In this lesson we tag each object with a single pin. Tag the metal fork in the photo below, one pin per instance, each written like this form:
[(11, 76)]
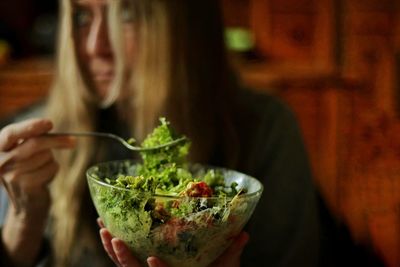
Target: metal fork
[(118, 139)]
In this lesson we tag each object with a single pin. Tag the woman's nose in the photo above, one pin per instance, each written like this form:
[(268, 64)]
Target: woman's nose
[(98, 42)]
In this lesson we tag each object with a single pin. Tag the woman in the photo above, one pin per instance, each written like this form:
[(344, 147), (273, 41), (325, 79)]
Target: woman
[(121, 65)]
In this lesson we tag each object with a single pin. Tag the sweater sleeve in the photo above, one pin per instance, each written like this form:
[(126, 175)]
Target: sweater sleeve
[(3, 210), (45, 251), (284, 229), (3, 204)]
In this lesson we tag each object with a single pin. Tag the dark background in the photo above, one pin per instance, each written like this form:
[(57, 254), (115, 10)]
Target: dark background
[(29, 26)]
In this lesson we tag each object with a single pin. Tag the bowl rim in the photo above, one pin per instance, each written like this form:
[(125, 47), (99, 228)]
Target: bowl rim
[(89, 176)]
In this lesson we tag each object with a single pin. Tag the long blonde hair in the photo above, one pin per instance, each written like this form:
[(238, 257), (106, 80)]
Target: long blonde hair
[(181, 72)]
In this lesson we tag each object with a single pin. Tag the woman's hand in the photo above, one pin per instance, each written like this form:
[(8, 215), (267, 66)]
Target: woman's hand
[(121, 255), (27, 166)]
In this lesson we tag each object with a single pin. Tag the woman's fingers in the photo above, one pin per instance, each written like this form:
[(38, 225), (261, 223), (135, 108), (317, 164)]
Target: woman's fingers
[(13, 133), (28, 191), (29, 182), (32, 146), (231, 257), (32, 162), (124, 255), (155, 262), (35, 162), (106, 238), (117, 250), (24, 140), (27, 170), (120, 253), (100, 222)]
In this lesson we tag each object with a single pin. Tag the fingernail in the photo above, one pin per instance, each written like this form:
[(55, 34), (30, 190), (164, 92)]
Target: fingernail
[(102, 236), (68, 141), (117, 245), (46, 124), (100, 222), (152, 262)]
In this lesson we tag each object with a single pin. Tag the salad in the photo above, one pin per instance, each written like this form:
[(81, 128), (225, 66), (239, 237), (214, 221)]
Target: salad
[(163, 206), (165, 171)]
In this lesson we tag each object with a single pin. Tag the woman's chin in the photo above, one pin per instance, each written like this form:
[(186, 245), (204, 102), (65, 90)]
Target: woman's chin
[(103, 89)]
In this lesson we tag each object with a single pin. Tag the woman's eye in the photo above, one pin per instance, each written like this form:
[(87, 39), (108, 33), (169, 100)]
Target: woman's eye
[(82, 17), (127, 15)]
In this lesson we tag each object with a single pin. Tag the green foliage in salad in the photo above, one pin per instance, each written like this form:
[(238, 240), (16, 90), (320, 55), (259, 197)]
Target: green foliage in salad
[(166, 165), (156, 159), (164, 171)]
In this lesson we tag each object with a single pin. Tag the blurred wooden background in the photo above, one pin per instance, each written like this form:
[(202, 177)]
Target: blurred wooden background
[(23, 82), (336, 63)]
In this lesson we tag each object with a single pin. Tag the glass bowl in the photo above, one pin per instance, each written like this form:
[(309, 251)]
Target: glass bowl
[(194, 237)]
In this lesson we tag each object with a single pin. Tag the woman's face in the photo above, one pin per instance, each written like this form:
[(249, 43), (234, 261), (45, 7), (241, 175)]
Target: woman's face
[(93, 43)]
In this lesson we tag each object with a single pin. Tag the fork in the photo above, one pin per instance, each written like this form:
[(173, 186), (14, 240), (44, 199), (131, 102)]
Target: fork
[(118, 139)]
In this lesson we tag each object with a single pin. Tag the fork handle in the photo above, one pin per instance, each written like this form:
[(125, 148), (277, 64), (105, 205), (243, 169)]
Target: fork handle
[(80, 134)]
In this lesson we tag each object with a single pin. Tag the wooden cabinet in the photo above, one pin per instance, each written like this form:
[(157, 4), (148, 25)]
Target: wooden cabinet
[(369, 48), (22, 83), (299, 32)]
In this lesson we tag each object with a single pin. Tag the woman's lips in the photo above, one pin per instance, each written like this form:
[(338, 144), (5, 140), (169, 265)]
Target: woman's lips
[(103, 77)]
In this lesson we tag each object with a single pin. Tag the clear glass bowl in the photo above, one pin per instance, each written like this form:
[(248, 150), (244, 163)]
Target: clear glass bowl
[(195, 237)]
